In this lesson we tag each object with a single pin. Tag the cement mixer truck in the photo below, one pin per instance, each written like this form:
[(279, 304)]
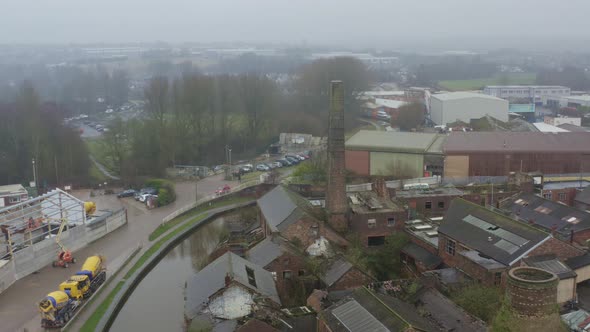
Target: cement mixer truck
[(56, 309), (86, 281)]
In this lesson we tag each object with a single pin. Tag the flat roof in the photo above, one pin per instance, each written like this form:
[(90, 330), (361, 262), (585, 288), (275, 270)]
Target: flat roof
[(442, 191), (528, 142), (547, 128), (526, 86), (384, 93), (580, 98), (395, 141), (463, 95)]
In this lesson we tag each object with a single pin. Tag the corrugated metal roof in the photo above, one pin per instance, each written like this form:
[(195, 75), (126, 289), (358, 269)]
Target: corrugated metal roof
[(357, 319), (394, 141), (552, 265), (528, 142)]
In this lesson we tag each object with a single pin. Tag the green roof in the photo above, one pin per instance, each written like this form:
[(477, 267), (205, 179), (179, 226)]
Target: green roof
[(394, 141)]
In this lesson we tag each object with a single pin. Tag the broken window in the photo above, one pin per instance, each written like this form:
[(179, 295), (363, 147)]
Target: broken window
[(441, 204), (301, 273), (274, 275), (450, 247), (391, 221), (372, 223), (497, 278), (547, 195), (428, 205), (287, 274), (251, 277)]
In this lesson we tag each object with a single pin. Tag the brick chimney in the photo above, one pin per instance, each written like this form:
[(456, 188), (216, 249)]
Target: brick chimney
[(336, 202), (380, 188)]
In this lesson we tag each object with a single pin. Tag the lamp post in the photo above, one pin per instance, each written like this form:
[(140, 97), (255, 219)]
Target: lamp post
[(35, 175)]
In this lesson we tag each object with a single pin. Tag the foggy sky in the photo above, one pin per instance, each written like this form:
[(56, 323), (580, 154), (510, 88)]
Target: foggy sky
[(376, 23)]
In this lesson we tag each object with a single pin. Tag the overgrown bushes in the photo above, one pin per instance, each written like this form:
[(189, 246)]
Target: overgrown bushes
[(165, 188), (480, 301)]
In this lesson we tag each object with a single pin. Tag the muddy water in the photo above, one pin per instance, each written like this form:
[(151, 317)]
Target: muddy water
[(157, 304)]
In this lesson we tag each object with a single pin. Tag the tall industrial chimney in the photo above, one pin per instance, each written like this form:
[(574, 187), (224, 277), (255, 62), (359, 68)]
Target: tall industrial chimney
[(336, 202)]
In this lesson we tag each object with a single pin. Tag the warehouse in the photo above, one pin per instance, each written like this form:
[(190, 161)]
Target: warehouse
[(447, 108), (396, 154), (500, 153)]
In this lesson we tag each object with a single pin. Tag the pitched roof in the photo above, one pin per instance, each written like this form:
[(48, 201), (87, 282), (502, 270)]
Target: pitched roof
[(578, 261), (583, 196), (489, 233), (12, 188), (211, 279), (335, 271), (395, 141), (448, 315), (255, 325), (281, 207), (528, 142), (264, 252), (547, 214), (420, 254), (551, 264)]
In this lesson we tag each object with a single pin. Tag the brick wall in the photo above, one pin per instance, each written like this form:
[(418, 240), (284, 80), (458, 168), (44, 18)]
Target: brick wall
[(285, 263), (564, 195), (354, 278), (307, 230), (359, 224), (557, 247), (438, 204), (582, 237)]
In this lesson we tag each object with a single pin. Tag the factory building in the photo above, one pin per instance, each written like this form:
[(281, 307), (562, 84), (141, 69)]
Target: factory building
[(534, 93), (500, 153), (397, 154), (447, 108)]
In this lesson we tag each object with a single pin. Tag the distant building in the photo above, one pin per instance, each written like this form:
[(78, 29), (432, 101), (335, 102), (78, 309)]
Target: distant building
[(12, 194), (398, 154), (527, 111), (534, 93), (500, 153), (567, 101), (561, 120), (563, 191), (450, 107)]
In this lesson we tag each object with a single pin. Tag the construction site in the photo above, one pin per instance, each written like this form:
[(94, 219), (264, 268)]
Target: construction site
[(46, 230)]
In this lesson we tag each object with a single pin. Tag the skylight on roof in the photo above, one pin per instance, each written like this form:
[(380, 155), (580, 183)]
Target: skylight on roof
[(572, 220), (543, 209)]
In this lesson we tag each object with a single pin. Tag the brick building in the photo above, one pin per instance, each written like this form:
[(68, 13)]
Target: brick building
[(431, 202), (582, 199), (374, 217), (484, 244), (342, 275), (566, 222), (500, 153)]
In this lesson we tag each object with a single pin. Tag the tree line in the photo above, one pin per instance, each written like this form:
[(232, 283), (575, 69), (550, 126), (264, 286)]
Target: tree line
[(191, 119), (33, 130)]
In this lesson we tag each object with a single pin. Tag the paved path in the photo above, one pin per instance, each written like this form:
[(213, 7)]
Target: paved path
[(102, 169), (18, 303)]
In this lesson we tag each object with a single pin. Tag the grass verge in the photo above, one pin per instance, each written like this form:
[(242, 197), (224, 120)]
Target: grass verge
[(91, 323), (164, 227)]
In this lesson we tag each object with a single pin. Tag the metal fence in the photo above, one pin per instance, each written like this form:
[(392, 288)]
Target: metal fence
[(208, 198)]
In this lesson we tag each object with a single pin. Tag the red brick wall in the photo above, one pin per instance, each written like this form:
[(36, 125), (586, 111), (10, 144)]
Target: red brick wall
[(582, 236), (359, 224), (286, 262), (569, 193), (557, 247), (357, 162), (354, 278), (307, 230)]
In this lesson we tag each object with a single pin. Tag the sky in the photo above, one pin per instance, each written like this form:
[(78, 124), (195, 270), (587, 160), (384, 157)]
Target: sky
[(383, 24)]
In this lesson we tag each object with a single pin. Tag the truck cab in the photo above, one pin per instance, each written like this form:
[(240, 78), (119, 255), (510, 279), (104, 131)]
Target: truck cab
[(77, 287)]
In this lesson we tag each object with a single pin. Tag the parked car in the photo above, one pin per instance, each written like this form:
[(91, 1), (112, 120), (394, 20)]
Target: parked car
[(144, 197), (223, 190), (262, 168), (142, 191), (277, 164), (284, 162), (247, 169), (293, 160), (126, 193), (302, 158)]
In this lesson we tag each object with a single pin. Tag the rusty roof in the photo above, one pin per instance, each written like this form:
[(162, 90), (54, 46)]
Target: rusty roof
[(573, 142)]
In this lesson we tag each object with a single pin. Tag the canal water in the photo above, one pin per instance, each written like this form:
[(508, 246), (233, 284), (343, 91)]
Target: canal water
[(157, 304)]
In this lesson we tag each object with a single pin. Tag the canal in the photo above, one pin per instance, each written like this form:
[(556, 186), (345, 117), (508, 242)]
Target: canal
[(157, 304)]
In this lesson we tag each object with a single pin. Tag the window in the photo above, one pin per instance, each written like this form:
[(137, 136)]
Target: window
[(428, 205), (450, 247), (251, 277), (274, 275), (374, 241), (301, 273), (497, 278), (562, 196), (372, 223), (390, 221), (441, 204), (287, 274), (547, 195), (14, 199)]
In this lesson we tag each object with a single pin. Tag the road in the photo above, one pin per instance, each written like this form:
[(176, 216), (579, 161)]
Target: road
[(18, 311), (102, 169)]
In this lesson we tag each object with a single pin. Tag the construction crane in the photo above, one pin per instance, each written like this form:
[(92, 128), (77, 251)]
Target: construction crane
[(64, 257)]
